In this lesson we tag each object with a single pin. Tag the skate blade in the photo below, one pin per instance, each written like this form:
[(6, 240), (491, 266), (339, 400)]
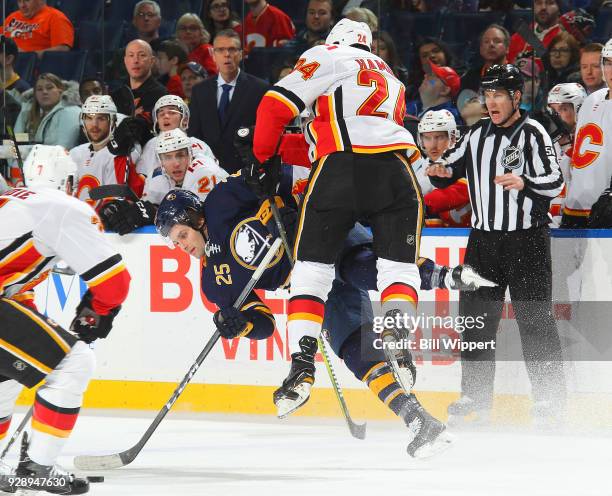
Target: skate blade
[(437, 446), (286, 406)]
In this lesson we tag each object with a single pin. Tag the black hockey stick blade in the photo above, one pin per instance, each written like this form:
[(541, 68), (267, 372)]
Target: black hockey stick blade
[(116, 460), (113, 191), (17, 433)]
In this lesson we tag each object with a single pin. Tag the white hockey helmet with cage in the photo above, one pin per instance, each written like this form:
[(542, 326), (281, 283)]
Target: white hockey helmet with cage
[(606, 53), (49, 166), (172, 101), (99, 104), (572, 93), (438, 120), (348, 32), (171, 141)]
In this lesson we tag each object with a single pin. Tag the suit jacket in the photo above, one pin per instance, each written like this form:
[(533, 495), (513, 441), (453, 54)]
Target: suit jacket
[(204, 121)]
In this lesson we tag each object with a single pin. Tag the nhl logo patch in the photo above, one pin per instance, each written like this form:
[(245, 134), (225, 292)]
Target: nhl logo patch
[(512, 157), (19, 365)]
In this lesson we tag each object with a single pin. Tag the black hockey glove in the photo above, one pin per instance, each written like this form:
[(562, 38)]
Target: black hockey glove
[(574, 222), (289, 217), (263, 178), (601, 211), (129, 132), (89, 325), (124, 216), (232, 323)]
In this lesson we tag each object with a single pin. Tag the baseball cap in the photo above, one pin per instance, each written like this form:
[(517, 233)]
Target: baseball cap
[(448, 76), (194, 67), (528, 68)]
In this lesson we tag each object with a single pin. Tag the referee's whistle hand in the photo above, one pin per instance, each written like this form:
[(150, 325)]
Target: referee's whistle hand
[(510, 181), (439, 171)]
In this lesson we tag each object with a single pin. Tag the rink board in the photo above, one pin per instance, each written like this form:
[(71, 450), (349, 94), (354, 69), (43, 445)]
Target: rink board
[(166, 320)]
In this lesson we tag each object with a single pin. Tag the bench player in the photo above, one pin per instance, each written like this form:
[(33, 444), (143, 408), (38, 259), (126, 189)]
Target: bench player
[(40, 226)]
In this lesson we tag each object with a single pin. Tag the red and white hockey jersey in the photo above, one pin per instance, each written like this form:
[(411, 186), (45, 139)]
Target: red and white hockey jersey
[(148, 161), (591, 165), (355, 102), (42, 226), (268, 28), (201, 177), (101, 168), (564, 157)]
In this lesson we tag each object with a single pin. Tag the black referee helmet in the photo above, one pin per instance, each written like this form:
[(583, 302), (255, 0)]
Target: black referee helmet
[(503, 77)]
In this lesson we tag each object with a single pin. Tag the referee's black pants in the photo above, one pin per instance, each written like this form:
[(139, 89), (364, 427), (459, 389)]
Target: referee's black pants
[(520, 261)]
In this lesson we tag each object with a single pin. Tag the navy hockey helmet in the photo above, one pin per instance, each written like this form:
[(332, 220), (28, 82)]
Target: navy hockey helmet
[(179, 206), (503, 77)]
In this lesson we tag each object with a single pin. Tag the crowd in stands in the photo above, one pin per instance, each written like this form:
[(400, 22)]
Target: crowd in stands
[(220, 56)]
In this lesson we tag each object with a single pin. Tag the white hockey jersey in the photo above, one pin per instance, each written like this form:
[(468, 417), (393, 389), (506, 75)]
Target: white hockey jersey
[(591, 165), (148, 162), (99, 168), (356, 102), (41, 226), (201, 177), (557, 204)]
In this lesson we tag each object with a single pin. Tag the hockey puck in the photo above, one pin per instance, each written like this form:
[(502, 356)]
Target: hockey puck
[(95, 478)]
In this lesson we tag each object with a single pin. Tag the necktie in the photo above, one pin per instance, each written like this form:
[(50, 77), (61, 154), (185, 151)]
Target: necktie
[(224, 102)]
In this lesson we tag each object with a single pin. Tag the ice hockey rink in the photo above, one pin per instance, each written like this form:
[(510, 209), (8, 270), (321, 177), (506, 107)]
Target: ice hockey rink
[(259, 455)]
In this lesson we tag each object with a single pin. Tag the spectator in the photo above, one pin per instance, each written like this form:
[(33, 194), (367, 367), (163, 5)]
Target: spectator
[(437, 91), (36, 27), (91, 86), (494, 43), (531, 98), (562, 60), (11, 82), (470, 107), (145, 22), (10, 110), (266, 25), (319, 21), (232, 96), (546, 28), (590, 67), (384, 46), (144, 90), (428, 49), (50, 112), (362, 14), (283, 69), (191, 74), (190, 31), (170, 55), (218, 16)]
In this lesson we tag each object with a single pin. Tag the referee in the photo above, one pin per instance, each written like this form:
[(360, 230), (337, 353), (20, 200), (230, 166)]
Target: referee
[(512, 172)]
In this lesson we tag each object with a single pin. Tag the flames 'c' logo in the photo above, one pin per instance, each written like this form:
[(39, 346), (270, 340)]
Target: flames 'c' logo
[(583, 158)]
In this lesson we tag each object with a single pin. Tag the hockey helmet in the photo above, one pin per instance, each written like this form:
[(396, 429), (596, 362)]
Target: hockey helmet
[(606, 53), (172, 101), (100, 104), (179, 206), (503, 77), (49, 166), (348, 32), (171, 141), (572, 93), (438, 120)]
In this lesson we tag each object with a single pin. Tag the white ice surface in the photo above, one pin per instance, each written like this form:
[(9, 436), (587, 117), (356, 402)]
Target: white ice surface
[(226, 456)]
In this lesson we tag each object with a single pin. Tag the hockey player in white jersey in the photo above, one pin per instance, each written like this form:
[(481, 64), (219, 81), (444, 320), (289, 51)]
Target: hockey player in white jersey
[(591, 165), (170, 112), (362, 158), (41, 226), (564, 101), (97, 166)]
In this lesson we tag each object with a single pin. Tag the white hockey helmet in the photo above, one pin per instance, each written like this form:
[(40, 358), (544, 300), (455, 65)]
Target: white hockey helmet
[(100, 104), (172, 101), (49, 166), (348, 32), (572, 93), (606, 53), (171, 141), (438, 120)]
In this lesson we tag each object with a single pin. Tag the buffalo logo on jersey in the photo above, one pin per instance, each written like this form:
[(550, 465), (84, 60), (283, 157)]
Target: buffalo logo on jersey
[(249, 247), (512, 157)]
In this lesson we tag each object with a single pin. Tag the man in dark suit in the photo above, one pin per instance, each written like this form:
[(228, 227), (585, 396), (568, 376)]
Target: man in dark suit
[(222, 104)]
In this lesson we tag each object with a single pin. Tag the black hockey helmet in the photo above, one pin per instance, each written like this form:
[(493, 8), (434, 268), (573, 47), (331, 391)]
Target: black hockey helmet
[(503, 77), (179, 206)]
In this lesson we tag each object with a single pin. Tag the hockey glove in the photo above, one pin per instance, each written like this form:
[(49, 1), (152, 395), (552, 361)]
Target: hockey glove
[(231, 323), (289, 218), (123, 216), (131, 131), (89, 325), (263, 178), (601, 212)]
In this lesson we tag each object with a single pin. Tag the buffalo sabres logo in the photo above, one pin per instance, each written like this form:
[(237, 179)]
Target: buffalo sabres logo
[(171, 197), (249, 246), (512, 157)]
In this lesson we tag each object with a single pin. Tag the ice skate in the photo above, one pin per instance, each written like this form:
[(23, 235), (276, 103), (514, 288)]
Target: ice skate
[(395, 347), (295, 390), (465, 278), (428, 436), (465, 411)]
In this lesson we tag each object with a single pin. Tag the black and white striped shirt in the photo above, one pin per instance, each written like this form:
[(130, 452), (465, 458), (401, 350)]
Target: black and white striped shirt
[(486, 151)]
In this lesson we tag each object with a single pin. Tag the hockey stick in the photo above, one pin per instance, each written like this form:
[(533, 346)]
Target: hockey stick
[(106, 462), (17, 433), (113, 191), (357, 430), (11, 134)]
